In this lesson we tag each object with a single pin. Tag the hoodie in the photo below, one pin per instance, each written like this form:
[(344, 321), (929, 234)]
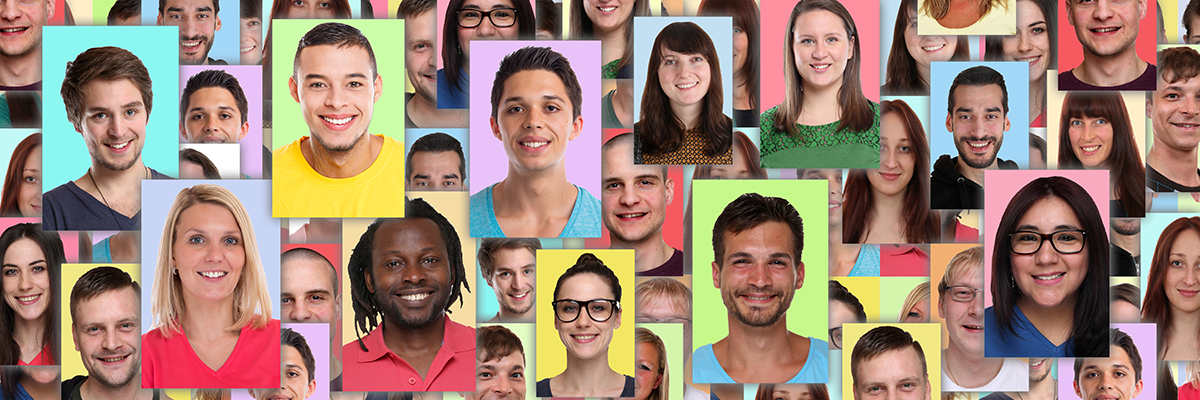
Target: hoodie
[(949, 189)]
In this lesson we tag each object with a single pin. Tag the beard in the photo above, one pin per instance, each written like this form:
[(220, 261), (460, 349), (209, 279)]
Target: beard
[(94, 150), (757, 316), (1127, 227), (119, 379), (509, 309), (415, 319), (333, 148), (205, 41), (965, 154)]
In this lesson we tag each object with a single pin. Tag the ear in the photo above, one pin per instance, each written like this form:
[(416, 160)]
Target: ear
[(292, 88), (495, 129), (74, 336), (312, 388), (928, 389), (716, 274), (1143, 7), (218, 26), (370, 282), (942, 307), (658, 382), (799, 275), (159, 21), (850, 48), (489, 282), (1137, 389), (1071, 20), (576, 128), (1007, 124), (245, 130), (670, 190), (949, 125), (252, 394), (1150, 105), (49, 9), (617, 322), (1078, 393), (378, 87), (183, 134)]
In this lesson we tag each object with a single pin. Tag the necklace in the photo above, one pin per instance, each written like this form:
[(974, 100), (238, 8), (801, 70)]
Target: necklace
[(110, 210)]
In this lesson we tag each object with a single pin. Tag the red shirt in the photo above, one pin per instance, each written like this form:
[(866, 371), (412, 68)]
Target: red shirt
[(42, 358), (379, 369), (171, 363)]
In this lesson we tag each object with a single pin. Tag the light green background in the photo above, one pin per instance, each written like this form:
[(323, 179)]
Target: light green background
[(893, 290), (672, 337), (526, 334)]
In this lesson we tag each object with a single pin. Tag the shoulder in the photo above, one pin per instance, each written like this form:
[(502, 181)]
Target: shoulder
[(586, 199)]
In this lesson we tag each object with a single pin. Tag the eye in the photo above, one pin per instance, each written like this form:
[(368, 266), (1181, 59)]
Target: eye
[(516, 109), (392, 264), (10, 272), (355, 84), (287, 301), (505, 274), (697, 59), (255, 23), (1102, 121), (806, 41), (231, 241), (93, 329), (31, 179), (195, 240), (528, 272), (552, 108), (643, 367), (99, 116), (292, 374), (518, 375), (430, 260), (128, 325), (39, 268), (502, 14), (1038, 31), (226, 115), (197, 117), (669, 61), (1176, 263), (423, 184), (737, 29), (905, 149), (485, 375), (298, 3), (317, 85), (316, 298), (326, 5), (914, 314), (1076, 122)]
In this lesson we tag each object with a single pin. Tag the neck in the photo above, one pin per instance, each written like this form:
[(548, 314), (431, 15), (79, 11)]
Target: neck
[(93, 390), (119, 183), (688, 114), (424, 112), (612, 42), (741, 93), (21, 71), (41, 390), (1176, 165), (975, 175), (623, 102), (407, 342), (1110, 71), (335, 365), (820, 105), (1037, 98), (1182, 323), (534, 190), (1047, 389), (749, 345), (1131, 243), (206, 320), (650, 253), (586, 376), (341, 164), (970, 369), (886, 212), (28, 333)]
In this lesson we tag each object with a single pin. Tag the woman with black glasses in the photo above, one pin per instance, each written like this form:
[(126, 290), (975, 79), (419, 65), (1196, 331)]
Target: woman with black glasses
[(468, 20)]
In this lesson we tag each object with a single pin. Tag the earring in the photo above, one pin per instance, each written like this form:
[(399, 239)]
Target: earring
[(176, 271)]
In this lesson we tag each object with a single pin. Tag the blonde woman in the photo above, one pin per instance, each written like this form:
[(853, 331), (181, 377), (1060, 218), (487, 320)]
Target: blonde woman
[(650, 377), (1191, 389), (916, 305)]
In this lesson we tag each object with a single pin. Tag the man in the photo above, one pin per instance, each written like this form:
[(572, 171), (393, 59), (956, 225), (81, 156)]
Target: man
[(960, 304), (663, 299), (510, 268), (299, 370), (501, 360), (1191, 22), (1107, 31), (1174, 113), (634, 205), (436, 162), (311, 293), (251, 51), (977, 115), (21, 50), (1125, 304), (888, 363), (198, 22), (541, 98), (107, 95), (125, 13), (213, 109), (1126, 245), (1117, 377), (409, 272), (341, 169), (420, 60), (105, 327), (1040, 388), (758, 243)]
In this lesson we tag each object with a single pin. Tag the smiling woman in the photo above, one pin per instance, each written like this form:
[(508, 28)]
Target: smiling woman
[(32, 263), (1171, 291), (1095, 132), (22, 193)]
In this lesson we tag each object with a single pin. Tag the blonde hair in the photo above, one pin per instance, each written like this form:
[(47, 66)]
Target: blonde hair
[(672, 291), (250, 295), (969, 259), (921, 292), (644, 335), (1192, 371)]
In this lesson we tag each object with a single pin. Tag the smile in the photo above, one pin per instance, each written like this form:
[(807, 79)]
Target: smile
[(213, 274), (585, 338), (607, 9), (1188, 293), (28, 299), (415, 297), (1105, 30), (973, 327), (687, 85), (632, 215), (1185, 126), (820, 67), (890, 177), (1031, 60), (979, 145), (534, 144), (338, 121), (248, 49), (14, 30), (1089, 150), (120, 145), (521, 296), (934, 48), (115, 359), (1049, 277)]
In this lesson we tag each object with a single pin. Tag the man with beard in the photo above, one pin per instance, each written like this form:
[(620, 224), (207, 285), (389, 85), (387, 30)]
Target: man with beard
[(198, 22), (1107, 33), (408, 272), (510, 268), (420, 58), (960, 304), (1126, 247), (757, 242), (104, 326), (977, 115), (634, 204), (108, 98), (21, 50), (1041, 385)]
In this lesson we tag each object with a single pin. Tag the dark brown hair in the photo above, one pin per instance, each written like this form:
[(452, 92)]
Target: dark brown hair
[(582, 26), (411, 8), (1128, 174), (661, 131), (99, 280), (488, 248), (993, 47), (1156, 307), (767, 390), (495, 342), (16, 173), (538, 59), (902, 75), (745, 17), (748, 151), (1191, 12), (213, 78), (588, 263), (452, 54), (104, 64), (1178, 64), (1119, 339), (196, 157), (52, 249), (880, 340), (751, 210), (1126, 292)]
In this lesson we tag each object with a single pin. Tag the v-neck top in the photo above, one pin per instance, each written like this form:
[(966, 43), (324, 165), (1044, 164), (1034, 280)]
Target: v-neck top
[(172, 363)]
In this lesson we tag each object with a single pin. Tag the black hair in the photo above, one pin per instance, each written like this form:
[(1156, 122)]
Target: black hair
[(435, 143), (839, 293), (125, 9), (979, 75), (588, 263), (52, 248), (162, 6), (213, 78), (1119, 339), (288, 337), (538, 59), (338, 35)]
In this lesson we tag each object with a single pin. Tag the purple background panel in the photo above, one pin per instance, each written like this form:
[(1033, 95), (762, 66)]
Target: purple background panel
[(1145, 338), (317, 337), (250, 78)]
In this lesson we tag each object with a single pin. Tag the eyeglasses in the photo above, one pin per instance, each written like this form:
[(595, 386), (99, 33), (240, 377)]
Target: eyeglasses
[(500, 17), (835, 337), (962, 293), (599, 310), (1068, 241)]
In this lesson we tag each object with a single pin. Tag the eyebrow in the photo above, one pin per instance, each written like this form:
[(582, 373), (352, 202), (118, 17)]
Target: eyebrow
[(220, 107), (1037, 23), (35, 262), (132, 104), (1060, 227), (748, 255), (544, 97), (180, 9), (319, 76), (992, 109), (427, 176), (477, 7), (963, 110), (530, 265), (313, 291)]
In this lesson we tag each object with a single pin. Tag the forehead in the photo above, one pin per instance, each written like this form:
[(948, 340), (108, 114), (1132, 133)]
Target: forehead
[(188, 5), (487, 4), (768, 237), (514, 359), (512, 258), (302, 275), (891, 366), (291, 356), (978, 96), (818, 22), (421, 26), (1050, 213), (896, 129), (111, 305), (585, 286), (618, 163), (660, 305), (1190, 85), (647, 352), (333, 60), (408, 233), (822, 174), (114, 93), (435, 160), (534, 84), (23, 249), (1117, 357), (211, 96), (1188, 241)]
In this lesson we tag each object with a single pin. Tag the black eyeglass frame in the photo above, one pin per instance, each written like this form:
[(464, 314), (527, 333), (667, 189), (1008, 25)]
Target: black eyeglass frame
[(584, 304), (836, 343), (487, 14), (1047, 237)]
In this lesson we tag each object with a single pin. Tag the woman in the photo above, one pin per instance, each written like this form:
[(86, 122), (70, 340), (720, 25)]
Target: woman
[(909, 60), (844, 308), (792, 392), (587, 303), (30, 383), (1191, 389), (612, 23), (651, 377), (32, 261), (745, 55), (682, 119), (1095, 133), (251, 33), (22, 193), (195, 165), (916, 305), (891, 204), (1171, 289), (212, 311), (824, 121), (993, 17), (1049, 299), (468, 20), (1036, 42)]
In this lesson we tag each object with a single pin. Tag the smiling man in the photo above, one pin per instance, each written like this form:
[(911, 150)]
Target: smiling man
[(299, 370), (420, 57), (340, 170), (1107, 30), (106, 332), (887, 363), (21, 44), (198, 23), (1118, 377), (634, 205), (960, 304), (1175, 116), (977, 115), (510, 268), (213, 109), (501, 371)]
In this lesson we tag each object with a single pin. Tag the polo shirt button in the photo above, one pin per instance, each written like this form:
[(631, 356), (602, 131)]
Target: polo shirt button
[(412, 381)]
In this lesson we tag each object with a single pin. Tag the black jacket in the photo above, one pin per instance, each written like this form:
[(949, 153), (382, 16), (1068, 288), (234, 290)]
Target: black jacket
[(948, 189)]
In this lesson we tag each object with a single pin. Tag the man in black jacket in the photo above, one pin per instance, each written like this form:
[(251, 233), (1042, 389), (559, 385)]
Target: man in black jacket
[(977, 114)]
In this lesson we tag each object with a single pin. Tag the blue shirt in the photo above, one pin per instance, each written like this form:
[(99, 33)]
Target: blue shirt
[(1027, 342), (450, 98), (69, 208), (867, 263), (584, 222), (706, 369)]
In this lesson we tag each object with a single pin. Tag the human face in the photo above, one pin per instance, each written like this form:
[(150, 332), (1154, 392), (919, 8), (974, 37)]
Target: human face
[(792, 392), (978, 122), (895, 374), (964, 321), (586, 338), (208, 253), (1091, 140), (486, 30), (741, 48), (1031, 43), (337, 94), (822, 48), (1039, 369), (759, 275), (926, 49), (684, 78), (435, 171), (190, 170), (896, 159), (29, 198), (1108, 378), (213, 117), (1126, 226), (310, 9), (295, 379), (27, 287), (501, 379), (28, 17), (197, 22), (1124, 312), (834, 176), (647, 376), (251, 48), (740, 169), (634, 198), (608, 15), (1106, 28), (513, 279), (839, 313), (308, 294), (1194, 28), (420, 54), (918, 313), (410, 275), (1174, 110), (41, 374), (1182, 282), (658, 308), (107, 336), (1047, 277), (114, 123), (535, 120)]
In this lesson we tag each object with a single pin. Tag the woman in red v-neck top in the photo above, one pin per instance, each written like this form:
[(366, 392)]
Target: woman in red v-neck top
[(32, 260)]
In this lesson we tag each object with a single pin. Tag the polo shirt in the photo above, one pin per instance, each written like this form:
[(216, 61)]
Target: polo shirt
[(903, 260), (380, 369), (172, 363)]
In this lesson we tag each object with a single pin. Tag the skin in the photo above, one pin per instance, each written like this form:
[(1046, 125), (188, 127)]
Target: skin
[(411, 276), (1183, 273), (114, 115), (792, 392), (213, 117), (513, 279), (535, 109), (839, 313), (106, 328), (1174, 110), (1124, 312), (1093, 15), (296, 384), (927, 49), (1194, 28), (646, 371), (894, 374), (760, 275), (420, 54), (978, 119), (834, 176), (308, 293), (500, 378), (657, 308), (584, 337), (331, 85), (634, 198), (604, 19), (740, 169), (435, 171), (30, 16), (741, 48), (208, 240), (190, 170), (1046, 216), (684, 78), (26, 278), (918, 313), (251, 49), (822, 49), (1031, 43), (1091, 140), (896, 160), (29, 199), (1108, 378), (964, 321), (310, 9), (198, 22), (486, 30)]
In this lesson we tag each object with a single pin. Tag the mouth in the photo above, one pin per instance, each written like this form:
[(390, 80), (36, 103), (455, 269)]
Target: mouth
[(190, 45), (930, 49), (28, 300), (338, 122), (820, 67), (758, 297), (415, 296), (1031, 59), (1188, 293), (1037, 364), (14, 30), (1105, 31), (1089, 150), (211, 139), (249, 49), (606, 10), (119, 147), (631, 216), (890, 177), (979, 146), (212, 274), (585, 337), (1049, 279), (280, 397), (534, 143), (973, 328), (687, 86), (113, 359), (1185, 127), (520, 296)]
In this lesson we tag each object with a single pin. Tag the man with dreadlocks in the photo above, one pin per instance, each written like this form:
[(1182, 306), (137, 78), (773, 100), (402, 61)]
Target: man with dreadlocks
[(408, 271)]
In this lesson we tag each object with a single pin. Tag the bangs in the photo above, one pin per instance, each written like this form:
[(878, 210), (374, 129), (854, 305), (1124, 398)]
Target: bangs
[(1095, 105), (686, 38)]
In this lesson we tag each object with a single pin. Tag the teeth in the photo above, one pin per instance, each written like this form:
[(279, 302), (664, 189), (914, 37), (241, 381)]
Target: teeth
[(535, 144), (415, 297), (1185, 125), (28, 298), (688, 86), (1089, 149), (1039, 363), (821, 67), (11, 30), (758, 298), (246, 49), (339, 121), (520, 296), (973, 326), (119, 146), (979, 145), (934, 48), (585, 337), (833, 206), (1051, 277), (608, 9), (113, 359), (214, 274), (1103, 30), (635, 215), (190, 44)]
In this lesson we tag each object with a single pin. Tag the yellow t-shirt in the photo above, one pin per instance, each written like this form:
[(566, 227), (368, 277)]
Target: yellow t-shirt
[(298, 191)]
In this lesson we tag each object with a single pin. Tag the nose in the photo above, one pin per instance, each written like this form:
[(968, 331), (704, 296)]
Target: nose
[(413, 272), (1024, 42), (888, 158), (502, 387), (485, 28), (26, 282), (976, 305), (336, 97), (190, 28), (585, 319), (629, 196), (210, 124), (9, 10), (1192, 275), (118, 125), (1088, 132), (299, 312), (759, 276), (1103, 10), (1046, 255), (215, 255), (111, 341), (1189, 106), (535, 119), (518, 280)]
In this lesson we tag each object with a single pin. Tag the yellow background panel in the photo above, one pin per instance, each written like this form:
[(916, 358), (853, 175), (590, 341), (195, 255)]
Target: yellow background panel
[(551, 354)]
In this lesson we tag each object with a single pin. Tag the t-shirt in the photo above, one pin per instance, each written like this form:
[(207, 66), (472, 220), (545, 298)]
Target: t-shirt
[(447, 97), (32, 86), (1027, 342), (997, 396), (1189, 392), (820, 146), (608, 113), (706, 369), (903, 260), (1159, 183), (379, 369), (584, 221), (21, 394), (172, 363), (998, 21), (69, 208), (1148, 81), (42, 358), (543, 388), (299, 191), (72, 386), (673, 266), (867, 263), (1013, 376)]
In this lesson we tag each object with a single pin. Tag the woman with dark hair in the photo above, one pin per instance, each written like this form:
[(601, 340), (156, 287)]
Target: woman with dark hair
[(549, 20), (825, 120), (1036, 42), (1049, 275), (195, 165), (468, 20), (22, 193), (801, 391), (745, 55), (682, 119), (891, 204), (611, 22), (29, 317), (844, 308), (1095, 133), (30, 383), (909, 60), (1171, 289)]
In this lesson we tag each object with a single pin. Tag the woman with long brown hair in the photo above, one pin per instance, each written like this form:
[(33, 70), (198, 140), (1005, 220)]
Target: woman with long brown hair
[(22, 193), (909, 60), (746, 53), (1171, 289), (1095, 132), (1036, 43)]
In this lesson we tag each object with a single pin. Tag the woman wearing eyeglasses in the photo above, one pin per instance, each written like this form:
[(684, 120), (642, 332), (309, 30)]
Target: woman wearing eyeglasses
[(844, 308), (960, 304), (586, 312), (1049, 275), (468, 20)]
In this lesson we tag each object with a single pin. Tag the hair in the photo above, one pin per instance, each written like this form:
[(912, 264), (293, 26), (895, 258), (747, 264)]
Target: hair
[(341, 10), (921, 292), (920, 224), (902, 75), (162, 6), (1090, 316), (250, 9), (10, 375), (643, 335), (937, 9), (435, 143), (1190, 13), (750, 210), (98, 281), (366, 311), (979, 75), (588, 263), (841, 294), (745, 17), (452, 53), (1178, 64), (1128, 174), (661, 131), (959, 265), (124, 9), (1166, 381), (288, 337), (582, 27), (52, 249), (412, 8), (538, 59), (993, 47), (338, 35), (745, 149), (1156, 307), (627, 138), (880, 340), (1120, 339), (304, 253), (549, 17), (671, 291), (1038, 143), (16, 173), (213, 78), (766, 391), (495, 342), (1192, 373), (196, 157), (489, 246), (167, 303), (1126, 292), (24, 109), (104, 64)]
